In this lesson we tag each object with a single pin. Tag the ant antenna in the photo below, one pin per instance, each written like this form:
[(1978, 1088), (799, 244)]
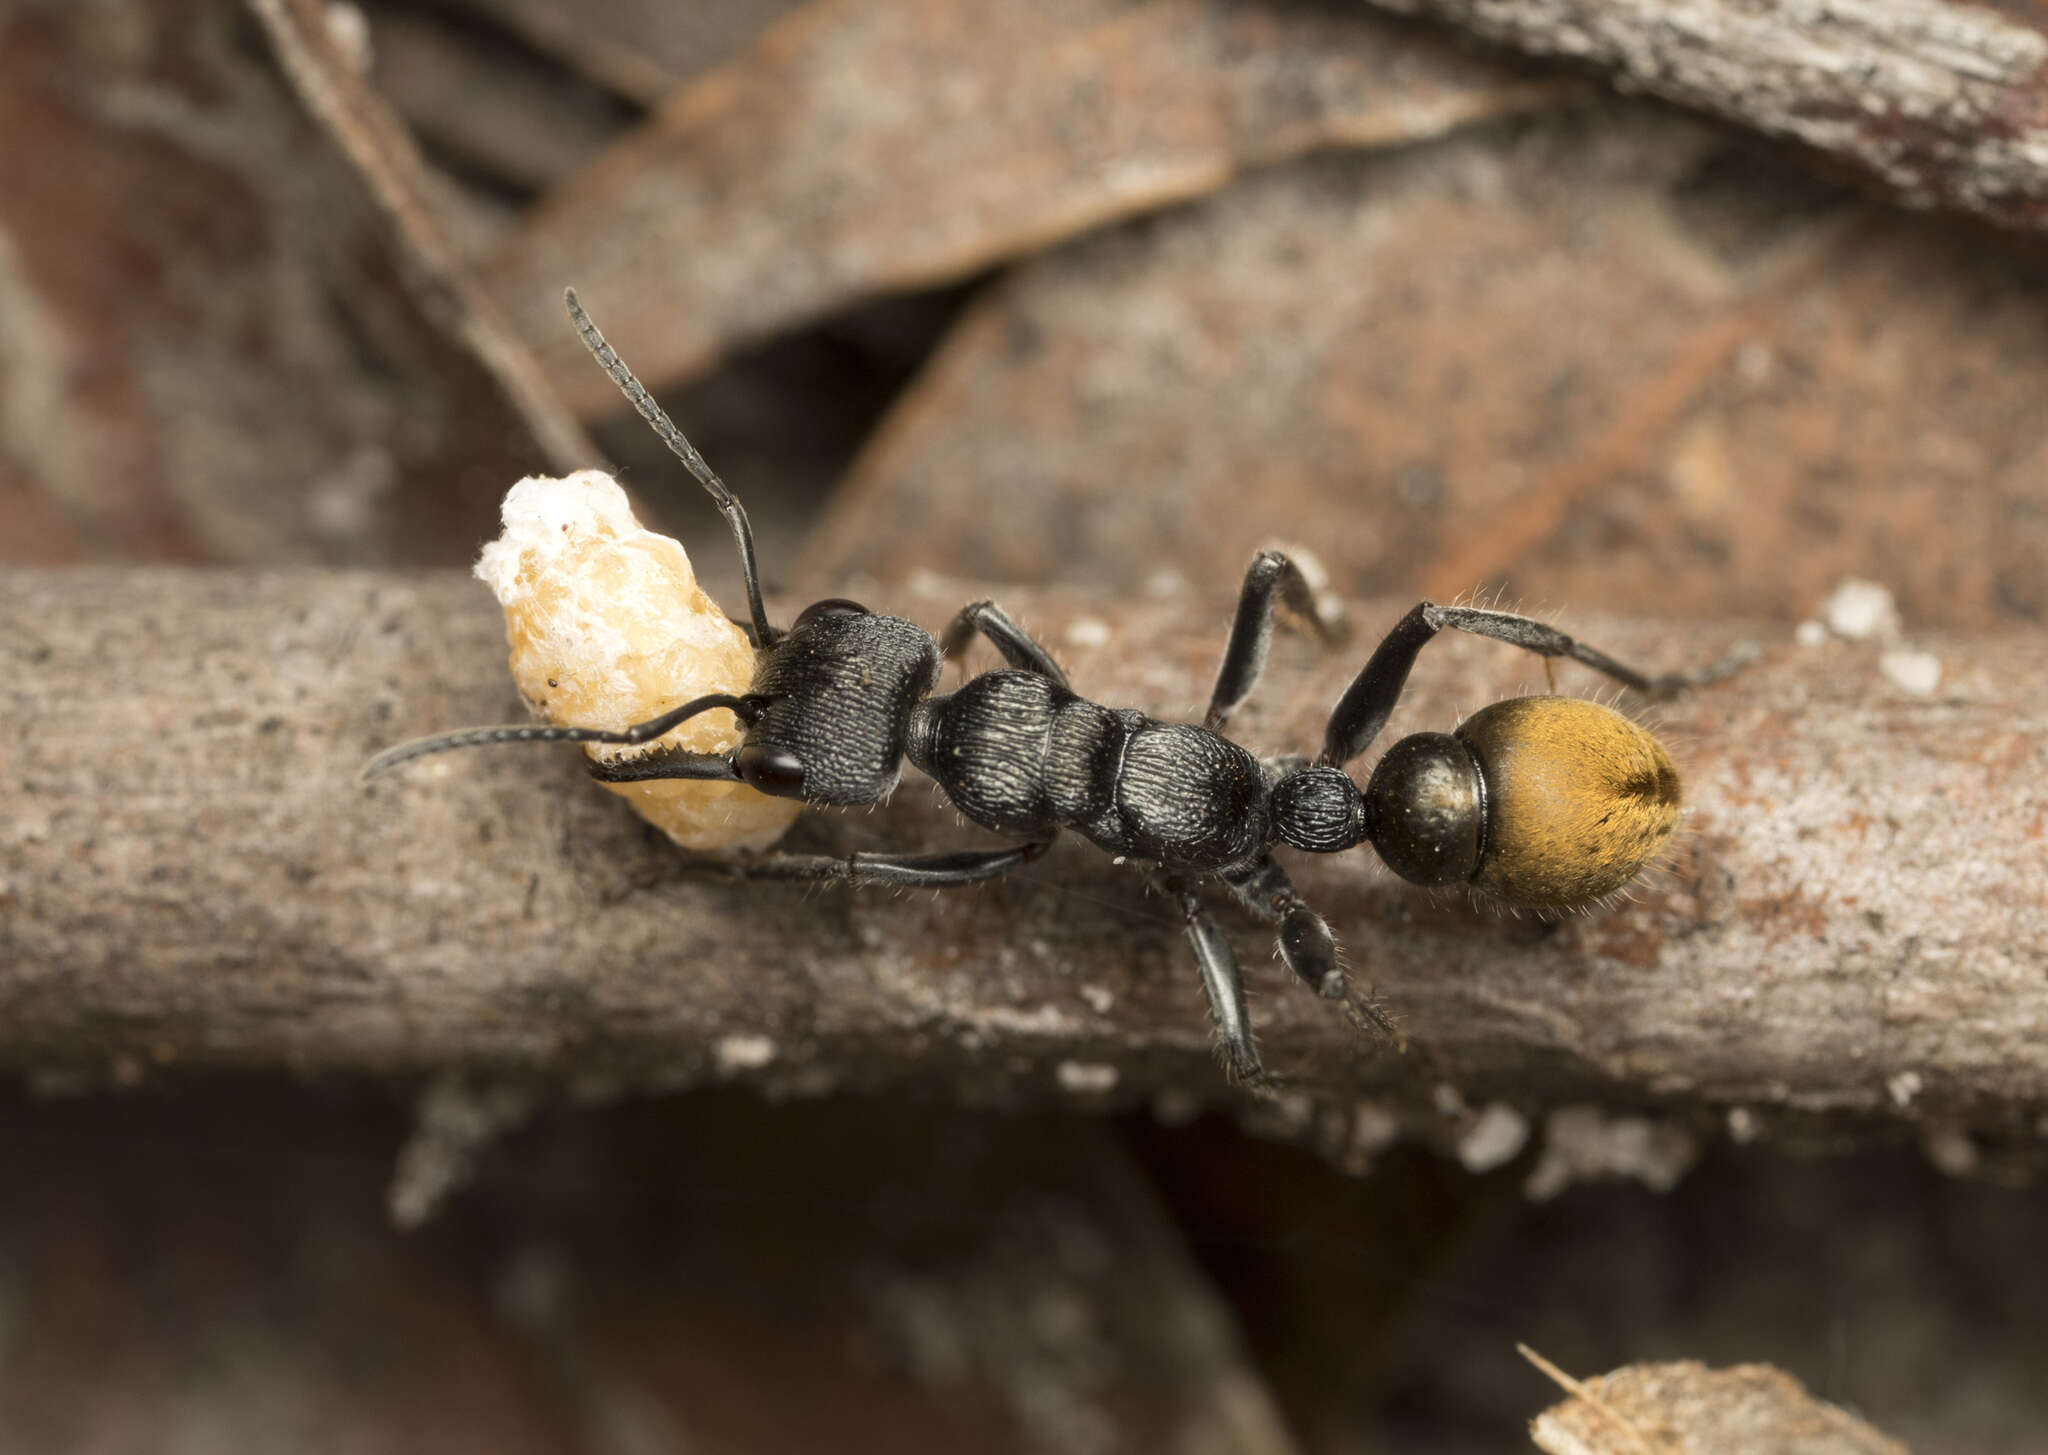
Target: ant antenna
[(746, 709), (728, 504)]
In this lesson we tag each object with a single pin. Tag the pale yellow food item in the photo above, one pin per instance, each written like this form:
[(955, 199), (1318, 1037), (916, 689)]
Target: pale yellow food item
[(608, 627)]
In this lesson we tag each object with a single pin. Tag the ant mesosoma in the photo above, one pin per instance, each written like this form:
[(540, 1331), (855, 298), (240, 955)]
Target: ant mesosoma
[(1547, 802)]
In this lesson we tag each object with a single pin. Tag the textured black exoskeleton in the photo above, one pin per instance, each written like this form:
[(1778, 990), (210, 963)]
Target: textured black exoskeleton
[(844, 697)]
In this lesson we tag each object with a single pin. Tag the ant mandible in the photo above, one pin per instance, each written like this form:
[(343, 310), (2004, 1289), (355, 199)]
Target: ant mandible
[(1544, 802)]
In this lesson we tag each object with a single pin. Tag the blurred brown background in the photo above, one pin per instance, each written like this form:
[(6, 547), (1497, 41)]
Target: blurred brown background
[(1083, 293)]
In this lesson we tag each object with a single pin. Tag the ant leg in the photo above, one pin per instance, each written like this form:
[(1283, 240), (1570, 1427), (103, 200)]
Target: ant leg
[(728, 504), (1224, 986), (1271, 575), (1019, 648), (649, 767), (1306, 944), (1367, 703), (946, 870)]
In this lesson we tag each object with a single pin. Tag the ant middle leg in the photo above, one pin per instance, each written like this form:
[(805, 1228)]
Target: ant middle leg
[(1019, 648), (1369, 701), (1271, 580), (1306, 944)]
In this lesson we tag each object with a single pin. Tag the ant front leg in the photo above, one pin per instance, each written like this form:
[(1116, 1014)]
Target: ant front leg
[(1306, 944), (1019, 648), (1369, 701), (1271, 578)]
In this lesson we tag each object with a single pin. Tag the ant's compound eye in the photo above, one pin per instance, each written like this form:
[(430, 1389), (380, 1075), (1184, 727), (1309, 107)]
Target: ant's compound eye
[(830, 606), (776, 772)]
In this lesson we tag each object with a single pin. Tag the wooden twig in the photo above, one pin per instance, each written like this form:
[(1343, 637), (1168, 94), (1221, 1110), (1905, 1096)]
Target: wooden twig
[(1944, 101), (191, 874), (382, 152)]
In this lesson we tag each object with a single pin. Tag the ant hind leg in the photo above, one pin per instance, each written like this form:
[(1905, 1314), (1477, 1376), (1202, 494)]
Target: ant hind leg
[(1306, 944), (1369, 701)]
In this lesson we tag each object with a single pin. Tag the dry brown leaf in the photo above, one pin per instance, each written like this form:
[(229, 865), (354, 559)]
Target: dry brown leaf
[(1688, 1409), (639, 48), (864, 147), (492, 110), (1612, 361), (377, 144), (205, 352)]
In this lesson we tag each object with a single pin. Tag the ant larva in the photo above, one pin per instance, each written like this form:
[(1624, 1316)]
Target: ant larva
[(1544, 802)]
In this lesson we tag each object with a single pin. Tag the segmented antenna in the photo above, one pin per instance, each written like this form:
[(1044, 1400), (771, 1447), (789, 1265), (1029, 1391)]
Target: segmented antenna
[(746, 709), (728, 504)]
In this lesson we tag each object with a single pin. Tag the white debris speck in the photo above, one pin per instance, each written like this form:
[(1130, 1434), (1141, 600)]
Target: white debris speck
[(1861, 610), (1742, 1126), (1450, 1102), (1087, 631), (1375, 1127), (453, 1124), (1165, 582), (1496, 1135), (1916, 672), (1100, 998), (1951, 1150), (744, 1053), (1580, 1142), (348, 29), (1904, 1087), (1810, 634), (1086, 1078)]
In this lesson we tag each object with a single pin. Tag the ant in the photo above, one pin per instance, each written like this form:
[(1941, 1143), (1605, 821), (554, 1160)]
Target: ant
[(1546, 802)]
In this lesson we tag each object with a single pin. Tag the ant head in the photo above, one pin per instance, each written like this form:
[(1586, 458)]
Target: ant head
[(835, 694)]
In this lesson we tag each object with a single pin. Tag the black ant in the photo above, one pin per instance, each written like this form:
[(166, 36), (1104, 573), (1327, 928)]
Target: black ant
[(1546, 802)]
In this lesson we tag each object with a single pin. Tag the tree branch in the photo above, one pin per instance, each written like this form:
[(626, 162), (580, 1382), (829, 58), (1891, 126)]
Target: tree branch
[(190, 874), (1944, 102)]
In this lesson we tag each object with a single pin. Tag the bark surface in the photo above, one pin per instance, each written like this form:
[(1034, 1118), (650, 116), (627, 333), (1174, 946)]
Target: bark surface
[(1944, 102), (190, 873)]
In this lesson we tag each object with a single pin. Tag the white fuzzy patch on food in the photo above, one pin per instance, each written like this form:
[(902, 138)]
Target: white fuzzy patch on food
[(548, 517)]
